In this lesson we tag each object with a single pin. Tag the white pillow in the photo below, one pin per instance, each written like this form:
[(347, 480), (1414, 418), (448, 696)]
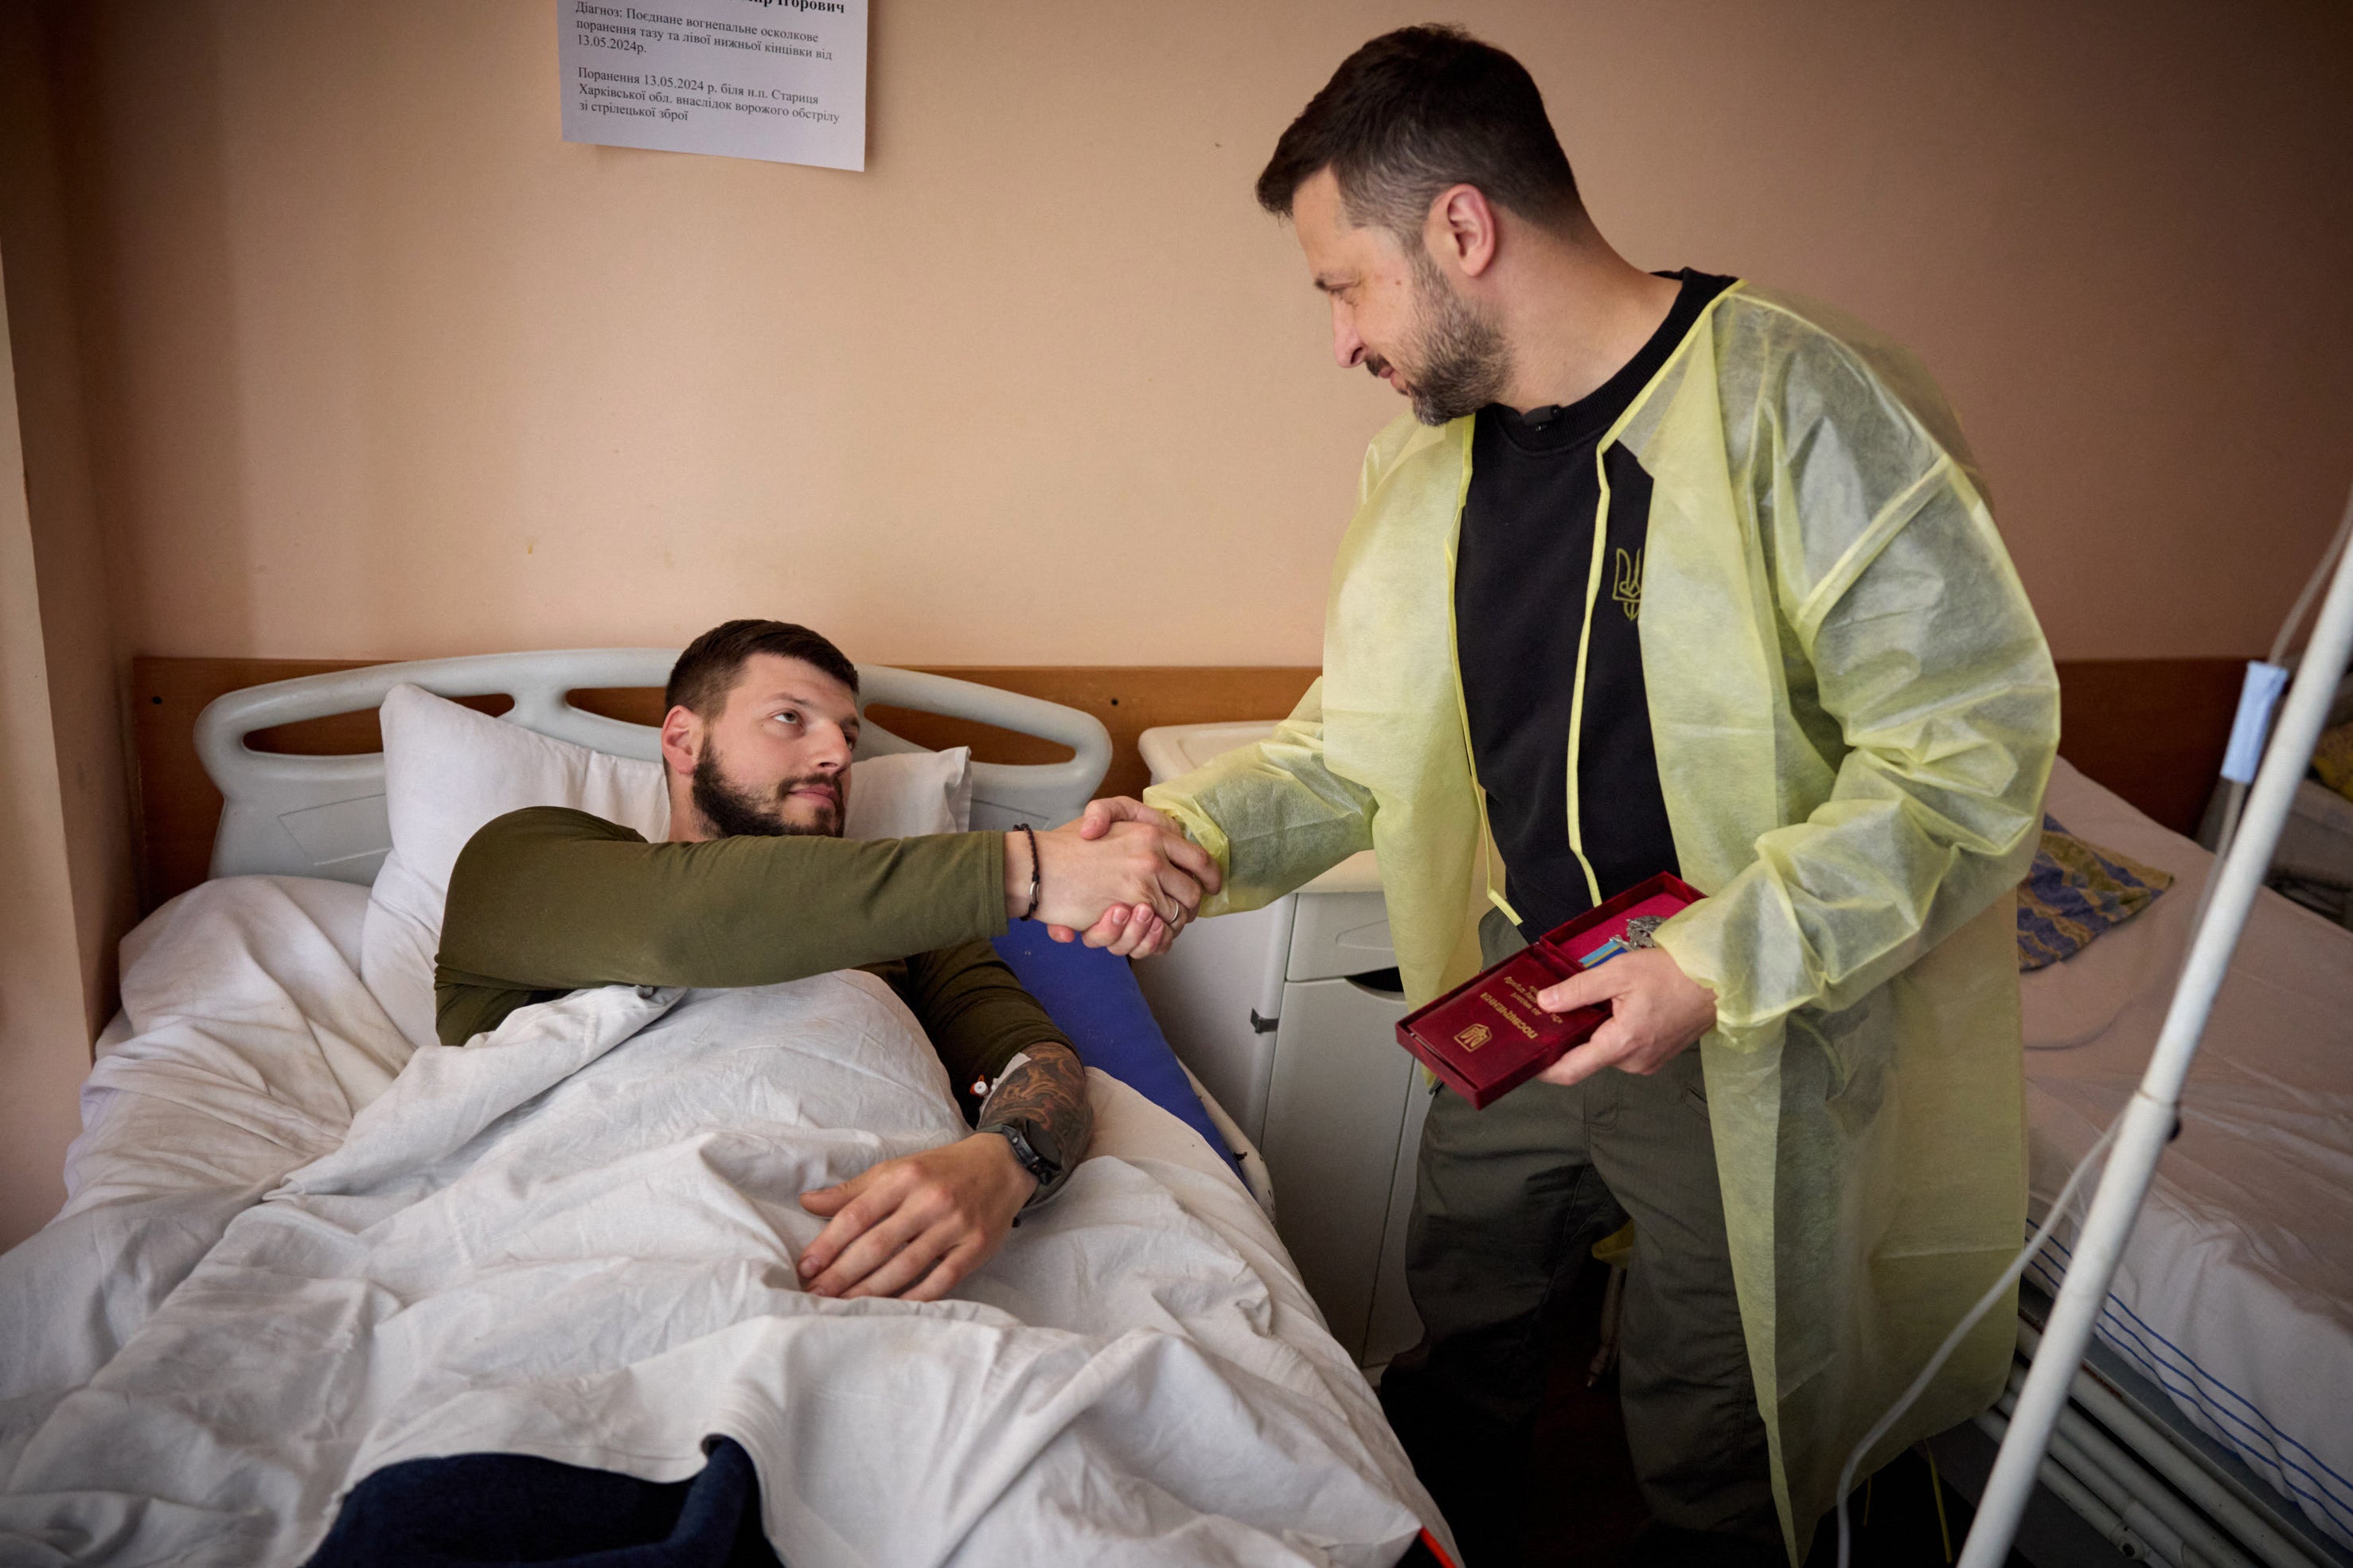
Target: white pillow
[(448, 771), (905, 795)]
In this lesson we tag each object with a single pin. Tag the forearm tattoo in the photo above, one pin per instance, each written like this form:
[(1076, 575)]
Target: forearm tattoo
[(1050, 1089)]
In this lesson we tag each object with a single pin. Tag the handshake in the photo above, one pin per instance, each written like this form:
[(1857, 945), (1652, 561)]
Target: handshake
[(1121, 877)]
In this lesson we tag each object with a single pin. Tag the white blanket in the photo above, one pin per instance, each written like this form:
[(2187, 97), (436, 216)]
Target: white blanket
[(575, 1240)]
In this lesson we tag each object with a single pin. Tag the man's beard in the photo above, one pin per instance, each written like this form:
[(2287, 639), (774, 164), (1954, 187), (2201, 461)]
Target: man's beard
[(736, 813), (1459, 362)]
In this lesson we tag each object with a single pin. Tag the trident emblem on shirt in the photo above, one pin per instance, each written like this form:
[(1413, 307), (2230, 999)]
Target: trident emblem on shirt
[(1628, 587)]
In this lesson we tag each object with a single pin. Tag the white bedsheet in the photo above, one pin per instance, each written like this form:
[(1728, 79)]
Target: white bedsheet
[(2236, 1293), (575, 1240)]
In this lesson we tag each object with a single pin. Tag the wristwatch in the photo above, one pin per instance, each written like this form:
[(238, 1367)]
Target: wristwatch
[(1034, 1145)]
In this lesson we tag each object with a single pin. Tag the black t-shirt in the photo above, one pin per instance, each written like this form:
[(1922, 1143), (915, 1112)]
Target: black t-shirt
[(1522, 565)]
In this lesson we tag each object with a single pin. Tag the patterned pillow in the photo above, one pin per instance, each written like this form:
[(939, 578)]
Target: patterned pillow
[(2075, 891), (2333, 758)]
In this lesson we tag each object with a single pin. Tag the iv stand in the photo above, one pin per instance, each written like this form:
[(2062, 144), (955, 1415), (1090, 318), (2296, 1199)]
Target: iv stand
[(2149, 1119)]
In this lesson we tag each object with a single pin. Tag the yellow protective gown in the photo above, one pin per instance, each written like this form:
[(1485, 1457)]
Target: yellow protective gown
[(1854, 713)]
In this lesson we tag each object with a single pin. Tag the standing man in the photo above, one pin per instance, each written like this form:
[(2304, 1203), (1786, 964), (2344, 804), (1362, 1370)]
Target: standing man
[(1665, 572)]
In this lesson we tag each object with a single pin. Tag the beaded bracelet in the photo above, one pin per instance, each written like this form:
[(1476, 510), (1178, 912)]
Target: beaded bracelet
[(1037, 883)]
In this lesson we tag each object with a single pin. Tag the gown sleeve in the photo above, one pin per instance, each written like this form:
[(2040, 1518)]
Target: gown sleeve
[(1905, 613), (1272, 814)]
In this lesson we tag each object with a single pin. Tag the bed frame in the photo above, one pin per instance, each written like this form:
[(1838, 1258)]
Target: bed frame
[(2150, 729), (325, 816), (2128, 1477), (288, 813)]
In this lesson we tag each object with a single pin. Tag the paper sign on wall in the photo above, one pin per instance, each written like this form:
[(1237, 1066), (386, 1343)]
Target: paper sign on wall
[(780, 80)]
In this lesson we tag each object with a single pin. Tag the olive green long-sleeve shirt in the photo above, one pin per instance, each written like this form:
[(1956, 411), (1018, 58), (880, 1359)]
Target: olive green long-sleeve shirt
[(549, 900)]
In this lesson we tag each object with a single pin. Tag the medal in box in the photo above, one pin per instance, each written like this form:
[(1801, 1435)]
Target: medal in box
[(1487, 1036)]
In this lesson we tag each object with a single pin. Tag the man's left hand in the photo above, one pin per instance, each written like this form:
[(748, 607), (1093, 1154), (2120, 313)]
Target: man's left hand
[(1656, 1011), (1139, 932), (914, 1226)]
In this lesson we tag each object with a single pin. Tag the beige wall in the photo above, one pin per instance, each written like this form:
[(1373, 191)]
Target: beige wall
[(387, 368), (66, 878), (69, 557), (44, 1040)]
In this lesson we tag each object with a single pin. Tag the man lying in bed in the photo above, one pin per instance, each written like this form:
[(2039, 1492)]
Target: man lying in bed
[(756, 887)]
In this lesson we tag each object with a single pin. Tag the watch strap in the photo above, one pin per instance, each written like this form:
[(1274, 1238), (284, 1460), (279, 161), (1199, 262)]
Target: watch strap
[(1049, 1173)]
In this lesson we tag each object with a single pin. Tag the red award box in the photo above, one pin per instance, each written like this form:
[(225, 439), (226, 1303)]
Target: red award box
[(1488, 1036)]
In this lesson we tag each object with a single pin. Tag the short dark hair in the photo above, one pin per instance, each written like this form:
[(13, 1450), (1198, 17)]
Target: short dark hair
[(1417, 111), (706, 672)]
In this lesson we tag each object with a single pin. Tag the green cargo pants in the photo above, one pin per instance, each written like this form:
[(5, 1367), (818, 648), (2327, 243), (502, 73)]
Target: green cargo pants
[(1507, 1206)]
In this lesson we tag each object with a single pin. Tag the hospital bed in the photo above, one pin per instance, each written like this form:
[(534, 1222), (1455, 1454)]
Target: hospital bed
[(306, 834), (2213, 1420)]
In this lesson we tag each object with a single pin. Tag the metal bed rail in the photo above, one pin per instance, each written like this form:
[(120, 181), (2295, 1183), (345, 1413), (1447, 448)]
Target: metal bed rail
[(325, 816), (2127, 1462)]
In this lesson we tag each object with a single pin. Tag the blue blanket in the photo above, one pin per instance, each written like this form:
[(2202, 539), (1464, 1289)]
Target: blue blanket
[(1093, 998)]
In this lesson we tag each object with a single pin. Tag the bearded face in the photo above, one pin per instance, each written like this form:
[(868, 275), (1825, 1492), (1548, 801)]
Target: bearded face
[(1454, 361), (810, 803)]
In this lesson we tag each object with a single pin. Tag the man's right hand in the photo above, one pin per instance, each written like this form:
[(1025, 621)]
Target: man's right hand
[(1131, 881)]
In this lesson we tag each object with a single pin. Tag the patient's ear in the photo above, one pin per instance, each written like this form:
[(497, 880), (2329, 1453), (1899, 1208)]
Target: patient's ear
[(682, 740)]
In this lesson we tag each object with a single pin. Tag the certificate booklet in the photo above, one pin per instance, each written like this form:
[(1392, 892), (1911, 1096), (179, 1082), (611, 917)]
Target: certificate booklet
[(1488, 1036)]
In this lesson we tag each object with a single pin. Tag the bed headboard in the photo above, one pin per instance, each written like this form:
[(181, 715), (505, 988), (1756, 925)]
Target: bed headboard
[(324, 815)]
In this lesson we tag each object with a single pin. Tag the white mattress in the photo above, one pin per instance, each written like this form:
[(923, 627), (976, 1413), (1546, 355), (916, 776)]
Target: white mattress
[(2236, 1293)]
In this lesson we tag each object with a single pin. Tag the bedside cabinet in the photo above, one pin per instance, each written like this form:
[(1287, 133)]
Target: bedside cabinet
[(1288, 1015)]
